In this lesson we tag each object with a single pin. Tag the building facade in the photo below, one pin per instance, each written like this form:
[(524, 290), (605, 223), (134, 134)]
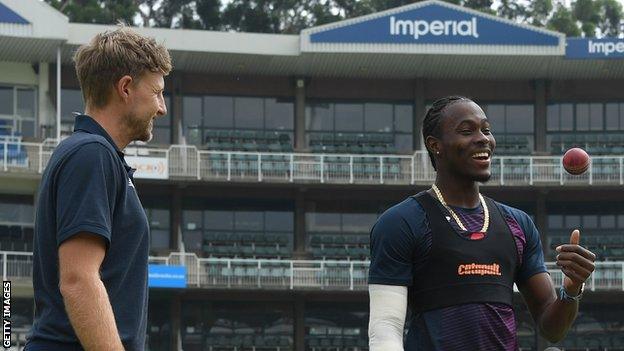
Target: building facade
[(280, 151)]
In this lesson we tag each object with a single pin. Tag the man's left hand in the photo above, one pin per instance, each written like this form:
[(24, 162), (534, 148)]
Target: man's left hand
[(576, 262)]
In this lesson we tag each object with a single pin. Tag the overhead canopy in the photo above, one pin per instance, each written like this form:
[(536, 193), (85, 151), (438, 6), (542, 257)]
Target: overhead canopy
[(430, 39)]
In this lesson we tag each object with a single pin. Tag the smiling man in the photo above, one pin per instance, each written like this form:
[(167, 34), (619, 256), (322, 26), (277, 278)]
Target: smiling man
[(91, 232), (450, 256)]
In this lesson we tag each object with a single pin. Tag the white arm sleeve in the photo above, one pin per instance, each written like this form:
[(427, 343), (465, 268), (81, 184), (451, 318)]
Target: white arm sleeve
[(388, 306)]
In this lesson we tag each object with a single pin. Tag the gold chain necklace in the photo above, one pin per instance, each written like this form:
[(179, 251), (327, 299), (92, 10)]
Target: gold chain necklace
[(486, 213)]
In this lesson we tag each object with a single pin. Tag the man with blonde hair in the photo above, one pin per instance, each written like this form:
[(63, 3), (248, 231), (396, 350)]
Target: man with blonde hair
[(91, 232)]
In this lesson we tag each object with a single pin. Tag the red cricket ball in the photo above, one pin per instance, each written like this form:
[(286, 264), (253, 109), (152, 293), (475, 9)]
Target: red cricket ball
[(576, 161)]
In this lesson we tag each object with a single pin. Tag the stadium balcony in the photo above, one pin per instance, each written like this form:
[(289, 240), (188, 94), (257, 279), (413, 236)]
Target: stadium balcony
[(185, 162), (274, 274)]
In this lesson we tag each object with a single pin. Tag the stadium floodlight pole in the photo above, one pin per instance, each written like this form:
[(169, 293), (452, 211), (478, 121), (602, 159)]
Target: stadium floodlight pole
[(58, 94)]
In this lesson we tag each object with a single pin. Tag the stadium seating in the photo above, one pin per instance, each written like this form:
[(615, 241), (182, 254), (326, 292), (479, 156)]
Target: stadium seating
[(248, 140), (11, 146), (339, 246), (512, 145), (246, 244), (16, 238), (593, 143), (606, 245), (352, 143)]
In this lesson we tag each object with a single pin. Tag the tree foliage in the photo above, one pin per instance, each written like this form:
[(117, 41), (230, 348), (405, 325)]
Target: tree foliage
[(583, 17)]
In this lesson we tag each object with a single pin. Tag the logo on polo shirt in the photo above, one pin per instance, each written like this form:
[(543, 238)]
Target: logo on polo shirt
[(478, 269)]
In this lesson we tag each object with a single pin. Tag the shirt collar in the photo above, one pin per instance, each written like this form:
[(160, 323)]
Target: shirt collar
[(87, 124)]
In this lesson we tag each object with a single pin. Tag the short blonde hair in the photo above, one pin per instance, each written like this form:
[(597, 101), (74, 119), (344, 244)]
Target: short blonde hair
[(112, 55)]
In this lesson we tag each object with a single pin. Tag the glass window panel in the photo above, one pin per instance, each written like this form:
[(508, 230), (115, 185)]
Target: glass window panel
[(349, 117), (159, 218), (403, 118), (28, 128), (279, 221), (320, 116), (496, 117), (567, 117), (248, 220), (404, 143), (519, 119), (26, 103), (161, 135), (607, 221), (279, 114), (71, 101), (595, 117), (248, 113), (215, 220), (192, 240), (16, 213), (358, 222), (218, 112), (323, 222), (612, 116), (552, 117), (6, 101), (620, 221), (192, 220), (590, 221), (572, 221), (192, 118), (192, 111), (378, 117), (555, 221), (622, 116), (159, 239), (582, 116)]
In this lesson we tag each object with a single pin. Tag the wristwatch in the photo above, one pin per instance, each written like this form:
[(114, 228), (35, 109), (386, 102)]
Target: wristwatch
[(564, 296)]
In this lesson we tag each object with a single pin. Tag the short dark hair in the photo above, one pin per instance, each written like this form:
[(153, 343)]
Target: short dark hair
[(431, 123)]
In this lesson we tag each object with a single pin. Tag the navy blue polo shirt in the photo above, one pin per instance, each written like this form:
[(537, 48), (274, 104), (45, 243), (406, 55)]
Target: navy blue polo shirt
[(88, 187)]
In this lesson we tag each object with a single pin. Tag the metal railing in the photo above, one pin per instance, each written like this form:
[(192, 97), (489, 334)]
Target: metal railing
[(273, 274), (189, 163)]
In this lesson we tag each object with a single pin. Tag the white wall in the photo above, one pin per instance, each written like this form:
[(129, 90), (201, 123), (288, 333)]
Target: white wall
[(13, 73)]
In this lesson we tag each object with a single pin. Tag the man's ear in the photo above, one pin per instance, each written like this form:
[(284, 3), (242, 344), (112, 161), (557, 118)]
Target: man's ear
[(122, 88), (432, 144)]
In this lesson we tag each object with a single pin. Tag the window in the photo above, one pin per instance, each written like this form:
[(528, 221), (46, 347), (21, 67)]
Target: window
[(159, 219), (221, 228), (18, 110), (368, 123), (209, 323), (202, 114), (17, 217), (595, 116)]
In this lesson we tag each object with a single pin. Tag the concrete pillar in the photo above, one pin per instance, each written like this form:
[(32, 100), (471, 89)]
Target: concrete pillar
[(540, 116), (300, 144), (419, 111), (45, 110), (177, 130), (175, 342), (541, 218), (299, 323), (299, 244)]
